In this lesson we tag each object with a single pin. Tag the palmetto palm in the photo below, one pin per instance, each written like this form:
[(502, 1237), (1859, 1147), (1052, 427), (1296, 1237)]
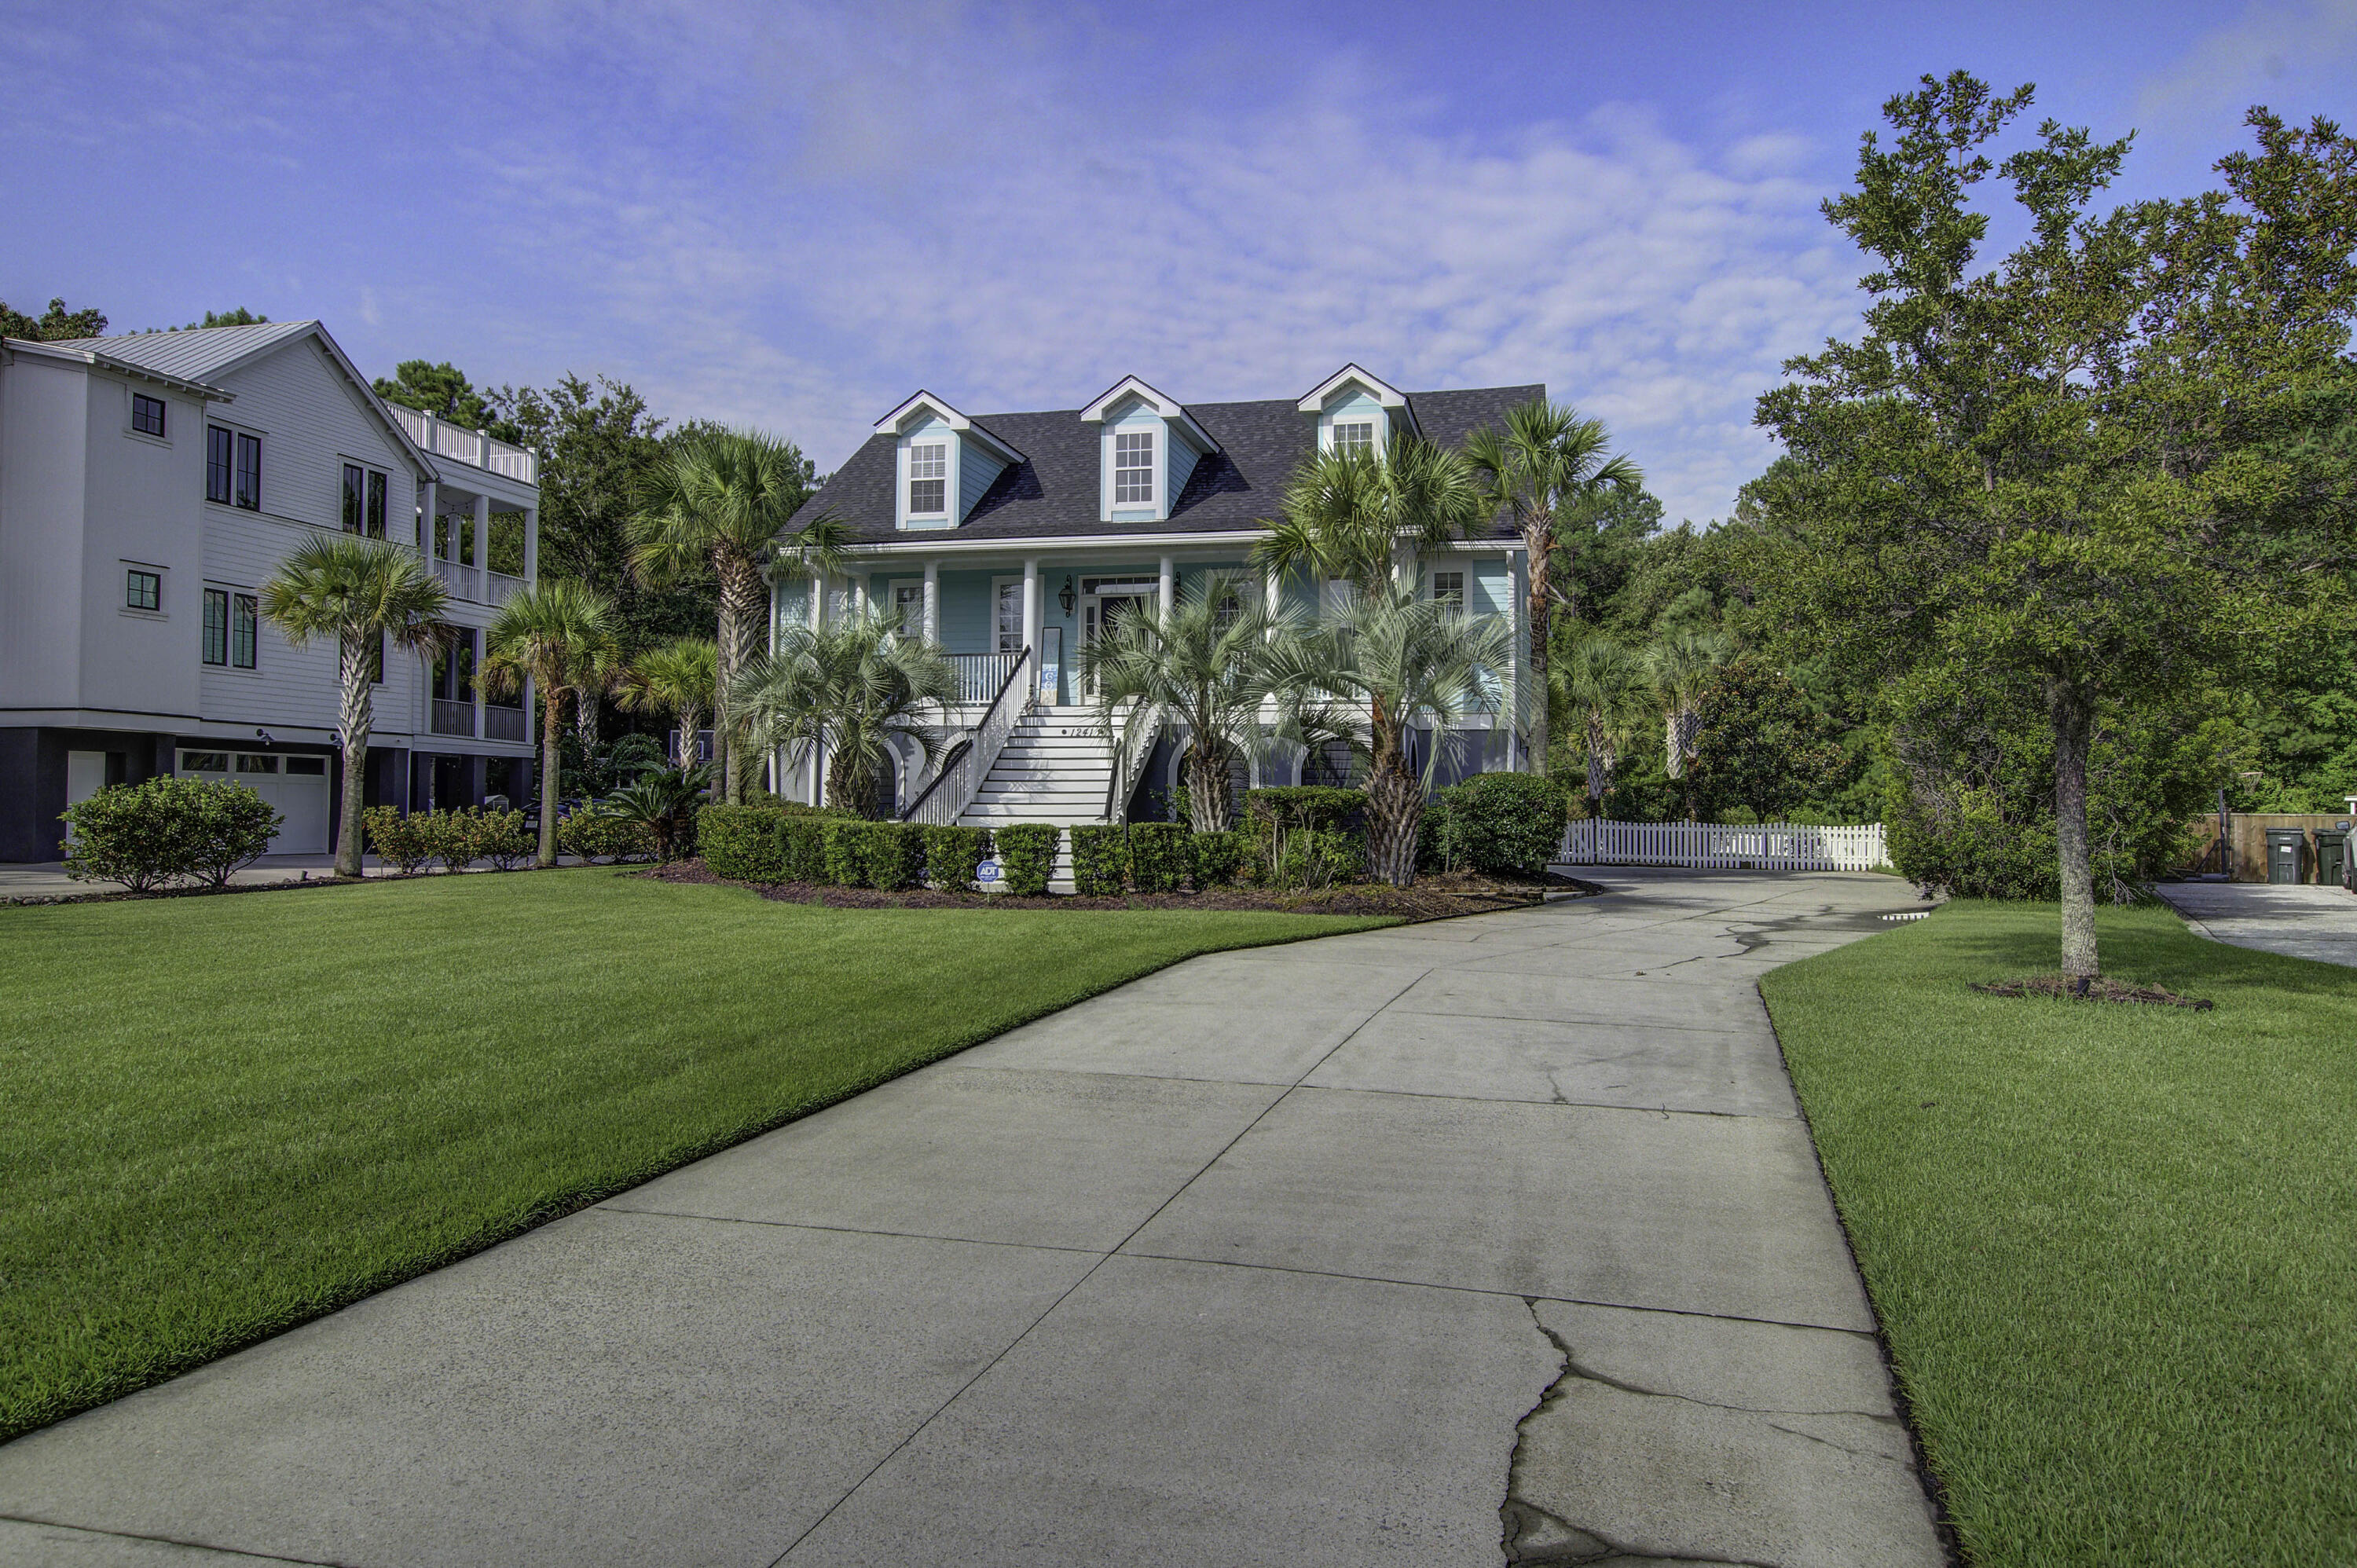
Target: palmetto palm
[(362, 593), (1347, 516), (1386, 663), (1607, 690), (720, 503), (1680, 668), (550, 633), (677, 678), (1207, 666), (1549, 470), (852, 687)]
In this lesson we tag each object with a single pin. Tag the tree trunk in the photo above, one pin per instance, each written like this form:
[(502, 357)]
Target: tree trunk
[(585, 720), (1206, 788), (741, 603), (357, 718), (687, 717), (1540, 607), (849, 787), (1394, 813), (549, 753), (2074, 722)]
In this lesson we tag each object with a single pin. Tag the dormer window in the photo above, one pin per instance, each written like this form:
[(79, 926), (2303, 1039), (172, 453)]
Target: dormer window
[(1354, 437), (928, 478), (1133, 468)]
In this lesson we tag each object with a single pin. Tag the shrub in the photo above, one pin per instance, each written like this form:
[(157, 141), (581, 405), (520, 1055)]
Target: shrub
[(1158, 857), (1100, 855), (148, 835), (398, 838), (1218, 859), (894, 854), (802, 841), (1432, 839), (1027, 851), (1313, 859), (592, 837), (233, 828), (1505, 824), (744, 843), (1314, 806), (503, 841), (953, 857), (845, 854), (450, 837)]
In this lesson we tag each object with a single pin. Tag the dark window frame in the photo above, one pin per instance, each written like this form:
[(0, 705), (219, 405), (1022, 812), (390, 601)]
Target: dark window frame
[(354, 494), (136, 578), (248, 489), (148, 415), (244, 632), (216, 638), (378, 487), (218, 448)]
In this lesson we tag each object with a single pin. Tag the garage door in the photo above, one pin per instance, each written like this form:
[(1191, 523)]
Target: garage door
[(295, 785)]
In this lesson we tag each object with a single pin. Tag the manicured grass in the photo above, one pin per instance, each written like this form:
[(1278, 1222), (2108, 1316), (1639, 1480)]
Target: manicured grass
[(2115, 1248), (226, 1115)]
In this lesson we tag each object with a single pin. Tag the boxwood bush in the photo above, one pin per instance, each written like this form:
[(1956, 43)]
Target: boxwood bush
[(1218, 859), (593, 837), (1100, 856), (1027, 851), (953, 856), (1504, 824), (743, 843), (1158, 857), (895, 854)]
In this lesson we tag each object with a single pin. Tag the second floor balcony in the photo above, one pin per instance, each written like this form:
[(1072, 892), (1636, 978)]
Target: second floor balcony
[(458, 444)]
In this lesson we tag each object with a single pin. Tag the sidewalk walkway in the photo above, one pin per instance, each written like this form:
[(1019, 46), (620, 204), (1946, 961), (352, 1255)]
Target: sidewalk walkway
[(2302, 921), (1360, 1252)]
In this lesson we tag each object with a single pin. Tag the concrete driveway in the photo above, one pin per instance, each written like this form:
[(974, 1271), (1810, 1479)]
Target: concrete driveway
[(1498, 1238), (2303, 921)]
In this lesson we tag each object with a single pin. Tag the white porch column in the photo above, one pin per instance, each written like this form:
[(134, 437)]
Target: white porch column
[(932, 601), (531, 544), (475, 634), (482, 526), (1169, 578), (429, 504), (1031, 601)]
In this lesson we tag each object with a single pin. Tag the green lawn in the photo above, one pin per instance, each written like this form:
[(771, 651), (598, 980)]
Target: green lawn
[(2115, 1248), (225, 1115)]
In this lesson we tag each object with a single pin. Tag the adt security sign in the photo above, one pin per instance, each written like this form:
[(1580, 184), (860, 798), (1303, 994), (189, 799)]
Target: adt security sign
[(991, 875)]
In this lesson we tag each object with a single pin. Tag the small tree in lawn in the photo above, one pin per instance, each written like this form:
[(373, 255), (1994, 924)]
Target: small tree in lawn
[(1550, 473), (543, 634), (1204, 667), (1603, 686), (2104, 467), (362, 595), (851, 687), (676, 679)]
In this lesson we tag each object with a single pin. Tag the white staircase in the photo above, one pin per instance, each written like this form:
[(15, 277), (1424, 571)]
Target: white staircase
[(1054, 768)]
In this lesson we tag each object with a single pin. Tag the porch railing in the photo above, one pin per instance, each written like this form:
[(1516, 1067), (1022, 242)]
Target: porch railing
[(501, 587), (1127, 765), (505, 724), (1765, 847), (980, 676), (453, 717), (456, 441), (459, 580), (953, 789)]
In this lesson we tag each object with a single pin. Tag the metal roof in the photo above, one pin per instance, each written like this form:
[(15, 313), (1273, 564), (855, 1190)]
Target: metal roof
[(194, 353)]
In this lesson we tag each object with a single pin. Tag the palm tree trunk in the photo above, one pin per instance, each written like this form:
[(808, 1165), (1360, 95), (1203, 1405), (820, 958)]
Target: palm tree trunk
[(740, 618), (1206, 788), (1534, 546), (2073, 720), (1395, 802), (357, 717), (687, 728), (549, 753)]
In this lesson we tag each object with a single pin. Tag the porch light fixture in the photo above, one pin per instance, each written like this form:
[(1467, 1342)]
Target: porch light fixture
[(1066, 598)]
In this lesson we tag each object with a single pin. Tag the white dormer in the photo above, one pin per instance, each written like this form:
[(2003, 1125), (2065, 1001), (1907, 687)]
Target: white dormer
[(1149, 447), (1355, 411), (942, 462)]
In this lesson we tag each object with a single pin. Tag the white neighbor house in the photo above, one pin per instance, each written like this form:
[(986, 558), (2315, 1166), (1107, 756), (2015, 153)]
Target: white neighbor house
[(149, 486)]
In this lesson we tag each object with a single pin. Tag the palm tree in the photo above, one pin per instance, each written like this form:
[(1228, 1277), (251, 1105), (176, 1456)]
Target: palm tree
[(1606, 687), (1205, 667), (720, 502), (1386, 663), (362, 594), (1680, 668), (852, 687), (590, 674), (1347, 516), (546, 633), (1547, 470), (678, 679)]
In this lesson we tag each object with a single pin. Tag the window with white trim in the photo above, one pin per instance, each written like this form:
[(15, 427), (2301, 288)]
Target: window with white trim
[(1133, 467), (1355, 435), (908, 609), (1448, 588), (928, 478), (1010, 617)]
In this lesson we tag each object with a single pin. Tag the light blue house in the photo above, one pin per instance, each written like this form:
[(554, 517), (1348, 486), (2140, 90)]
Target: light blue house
[(1011, 539)]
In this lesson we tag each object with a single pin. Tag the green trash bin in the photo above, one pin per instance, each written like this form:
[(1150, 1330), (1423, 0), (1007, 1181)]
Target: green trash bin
[(2287, 853), (2332, 856)]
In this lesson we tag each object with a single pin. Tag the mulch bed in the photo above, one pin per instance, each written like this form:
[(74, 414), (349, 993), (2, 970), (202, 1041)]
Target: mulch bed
[(2098, 990), (1435, 898)]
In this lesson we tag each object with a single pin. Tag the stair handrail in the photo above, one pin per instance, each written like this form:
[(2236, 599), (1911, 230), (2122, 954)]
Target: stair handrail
[(943, 801), (1122, 781)]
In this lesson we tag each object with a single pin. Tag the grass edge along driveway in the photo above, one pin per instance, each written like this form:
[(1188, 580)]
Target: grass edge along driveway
[(2108, 1244), (229, 1115)]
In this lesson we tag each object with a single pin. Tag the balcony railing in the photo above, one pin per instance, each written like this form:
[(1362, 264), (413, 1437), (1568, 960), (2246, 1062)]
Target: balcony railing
[(980, 676), (505, 724), (453, 718), (501, 587), (465, 445), (459, 580)]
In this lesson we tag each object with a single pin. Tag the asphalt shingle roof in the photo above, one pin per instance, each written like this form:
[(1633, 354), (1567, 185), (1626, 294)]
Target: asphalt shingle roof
[(193, 354), (1054, 490)]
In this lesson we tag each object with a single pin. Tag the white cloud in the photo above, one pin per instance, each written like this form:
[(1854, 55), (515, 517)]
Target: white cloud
[(2271, 49)]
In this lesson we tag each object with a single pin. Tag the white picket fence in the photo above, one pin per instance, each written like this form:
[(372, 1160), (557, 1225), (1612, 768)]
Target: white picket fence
[(1760, 846)]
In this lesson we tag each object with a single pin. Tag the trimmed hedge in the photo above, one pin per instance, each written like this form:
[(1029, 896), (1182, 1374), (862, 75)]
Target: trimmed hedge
[(1158, 857), (590, 836), (895, 854), (1505, 824), (1100, 855), (778, 842), (1315, 806), (1027, 851), (953, 856), (1218, 859)]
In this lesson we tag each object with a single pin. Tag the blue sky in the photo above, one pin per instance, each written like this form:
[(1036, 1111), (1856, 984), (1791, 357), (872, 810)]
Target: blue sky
[(794, 215)]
